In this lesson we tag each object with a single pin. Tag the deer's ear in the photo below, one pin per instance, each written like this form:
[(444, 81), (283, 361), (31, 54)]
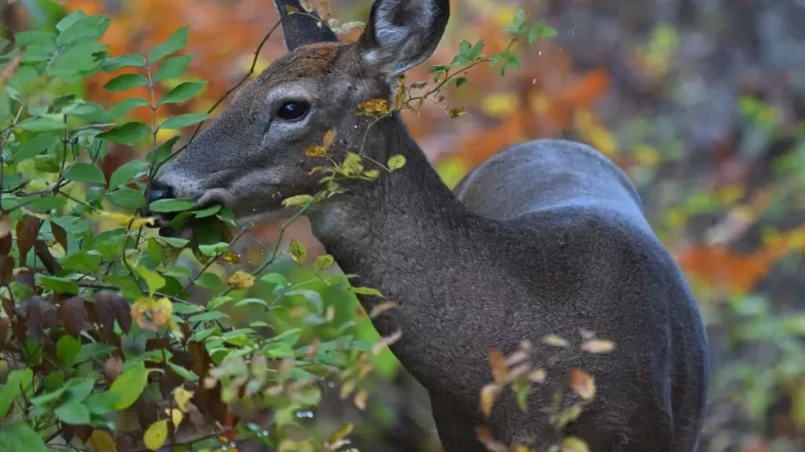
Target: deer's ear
[(299, 27), (402, 34)]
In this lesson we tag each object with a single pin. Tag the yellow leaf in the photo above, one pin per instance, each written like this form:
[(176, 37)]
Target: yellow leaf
[(555, 340), (101, 441), (230, 257), (324, 262), (581, 383), (241, 280), (372, 174), (176, 416), (498, 105), (297, 250), (307, 5), (329, 138), (182, 396), (573, 444), (340, 434), (489, 394), (316, 151), (156, 435), (396, 162), (374, 107), (128, 220), (352, 164), (151, 314)]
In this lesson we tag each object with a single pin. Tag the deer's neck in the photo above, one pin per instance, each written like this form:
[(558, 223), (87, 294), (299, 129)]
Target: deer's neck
[(408, 236)]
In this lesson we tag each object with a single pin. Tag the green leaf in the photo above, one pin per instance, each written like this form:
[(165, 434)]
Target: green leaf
[(367, 291), (297, 200), (36, 37), (176, 41), (21, 437), (171, 68), (85, 172), (43, 124), (179, 121), (126, 172), (58, 284), (94, 350), (128, 133), (275, 278), (128, 60), (171, 205), (154, 280), (82, 261), (127, 198), (33, 147), (182, 93), (129, 385), (208, 316), (101, 402), (161, 153), (15, 383), (67, 348), (125, 106), (89, 28), (72, 413), (124, 82), (213, 249), (475, 52), (184, 373)]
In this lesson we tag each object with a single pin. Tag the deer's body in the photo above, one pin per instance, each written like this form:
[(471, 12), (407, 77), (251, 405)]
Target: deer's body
[(547, 237)]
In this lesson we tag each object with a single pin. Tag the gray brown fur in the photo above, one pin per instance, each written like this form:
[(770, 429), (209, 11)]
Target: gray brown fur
[(547, 237)]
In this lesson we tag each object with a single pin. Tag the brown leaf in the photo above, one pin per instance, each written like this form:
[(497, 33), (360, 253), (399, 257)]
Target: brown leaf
[(581, 383), (37, 312), (484, 435), (7, 271), (5, 236), (112, 368), (4, 326), (110, 307), (73, 315), (59, 234), (105, 311), (489, 394), (27, 230), (50, 262), (498, 364)]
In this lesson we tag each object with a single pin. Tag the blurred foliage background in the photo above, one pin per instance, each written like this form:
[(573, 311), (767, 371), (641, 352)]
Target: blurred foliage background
[(701, 102)]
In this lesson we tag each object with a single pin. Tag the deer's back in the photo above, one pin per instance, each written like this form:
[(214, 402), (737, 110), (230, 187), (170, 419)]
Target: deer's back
[(609, 274)]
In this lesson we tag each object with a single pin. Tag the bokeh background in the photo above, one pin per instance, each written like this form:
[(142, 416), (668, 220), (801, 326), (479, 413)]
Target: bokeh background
[(701, 102)]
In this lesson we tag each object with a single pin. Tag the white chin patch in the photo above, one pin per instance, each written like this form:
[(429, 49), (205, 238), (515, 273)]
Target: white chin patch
[(263, 217)]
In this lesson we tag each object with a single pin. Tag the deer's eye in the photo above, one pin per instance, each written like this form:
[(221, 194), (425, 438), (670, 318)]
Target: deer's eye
[(293, 110)]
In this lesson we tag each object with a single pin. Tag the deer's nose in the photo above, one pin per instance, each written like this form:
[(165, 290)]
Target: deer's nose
[(159, 191)]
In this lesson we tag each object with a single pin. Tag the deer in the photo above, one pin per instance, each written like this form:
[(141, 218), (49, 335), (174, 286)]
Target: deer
[(547, 237)]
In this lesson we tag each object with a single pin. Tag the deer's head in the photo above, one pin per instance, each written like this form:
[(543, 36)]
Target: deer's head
[(253, 155)]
